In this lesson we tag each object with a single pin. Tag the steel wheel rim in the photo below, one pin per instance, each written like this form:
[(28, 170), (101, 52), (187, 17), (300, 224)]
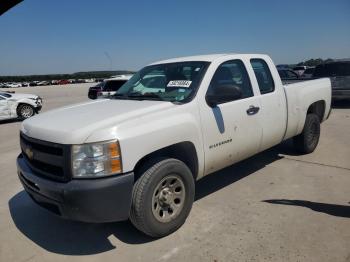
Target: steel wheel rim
[(26, 111), (168, 198)]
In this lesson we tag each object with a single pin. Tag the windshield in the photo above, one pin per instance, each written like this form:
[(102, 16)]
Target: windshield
[(173, 82)]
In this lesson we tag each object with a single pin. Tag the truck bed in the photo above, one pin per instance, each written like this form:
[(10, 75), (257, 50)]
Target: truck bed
[(292, 81), (300, 94)]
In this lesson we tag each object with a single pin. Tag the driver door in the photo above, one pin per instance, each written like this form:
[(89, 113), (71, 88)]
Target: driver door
[(4, 110), (231, 130)]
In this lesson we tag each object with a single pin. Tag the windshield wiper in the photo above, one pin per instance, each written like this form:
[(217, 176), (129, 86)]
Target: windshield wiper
[(147, 96), (120, 96), (138, 96)]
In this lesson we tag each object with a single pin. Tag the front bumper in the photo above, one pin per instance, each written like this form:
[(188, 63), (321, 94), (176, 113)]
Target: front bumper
[(38, 104), (89, 200), (38, 109)]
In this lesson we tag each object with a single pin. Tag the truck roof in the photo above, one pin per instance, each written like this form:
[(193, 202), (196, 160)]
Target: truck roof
[(206, 58)]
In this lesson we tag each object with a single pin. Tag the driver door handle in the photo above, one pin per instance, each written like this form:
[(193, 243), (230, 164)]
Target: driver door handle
[(252, 110)]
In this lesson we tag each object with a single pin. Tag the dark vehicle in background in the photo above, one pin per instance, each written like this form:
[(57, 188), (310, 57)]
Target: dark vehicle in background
[(288, 75), (308, 73), (95, 90), (108, 87), (339, 73), (299, 70), (282, 66)]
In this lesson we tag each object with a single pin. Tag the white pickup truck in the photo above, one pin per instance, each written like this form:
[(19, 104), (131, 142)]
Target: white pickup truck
[(139, 154)]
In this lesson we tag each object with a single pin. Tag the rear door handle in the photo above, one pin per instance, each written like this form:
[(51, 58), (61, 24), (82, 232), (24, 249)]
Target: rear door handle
[(252, 110)]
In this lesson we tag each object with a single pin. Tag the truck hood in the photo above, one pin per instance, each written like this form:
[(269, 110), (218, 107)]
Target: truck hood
[(75, 123)]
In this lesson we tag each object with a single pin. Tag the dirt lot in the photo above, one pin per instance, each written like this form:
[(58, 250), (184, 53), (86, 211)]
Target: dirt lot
[(276, 206)]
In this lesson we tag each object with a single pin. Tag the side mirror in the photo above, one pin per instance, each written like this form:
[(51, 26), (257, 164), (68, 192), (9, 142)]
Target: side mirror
[(223, 94)]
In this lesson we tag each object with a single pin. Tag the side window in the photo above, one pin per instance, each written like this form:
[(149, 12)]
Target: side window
[(232, 73), (263, 76)]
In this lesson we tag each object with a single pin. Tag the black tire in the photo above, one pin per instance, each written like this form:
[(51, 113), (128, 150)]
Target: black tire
[(143, 212), (25, 111), (307, 141)]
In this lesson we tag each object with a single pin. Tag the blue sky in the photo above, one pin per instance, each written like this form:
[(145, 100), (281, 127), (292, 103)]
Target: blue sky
[(39, 37)]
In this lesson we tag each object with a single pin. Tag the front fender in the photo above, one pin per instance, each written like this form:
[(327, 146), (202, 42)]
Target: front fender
[(148, 138), (141, 136), (13, 105)]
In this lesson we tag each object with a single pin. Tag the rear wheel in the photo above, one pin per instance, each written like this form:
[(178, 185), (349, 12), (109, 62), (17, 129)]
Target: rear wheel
[(25, 111), (162, 198), (307, 141)]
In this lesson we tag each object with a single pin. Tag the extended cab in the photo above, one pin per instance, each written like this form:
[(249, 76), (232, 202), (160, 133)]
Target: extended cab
[(138, 154)]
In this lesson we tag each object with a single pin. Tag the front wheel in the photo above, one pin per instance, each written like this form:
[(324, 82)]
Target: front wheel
[(162, 198), (307, 141), (25, 111)]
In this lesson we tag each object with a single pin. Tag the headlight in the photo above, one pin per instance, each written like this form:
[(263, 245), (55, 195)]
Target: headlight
[(96, 159)]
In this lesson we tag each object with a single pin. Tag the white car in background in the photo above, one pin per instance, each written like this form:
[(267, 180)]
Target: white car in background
[(108, 87), (20, 106), (14, 85), (43, 83)]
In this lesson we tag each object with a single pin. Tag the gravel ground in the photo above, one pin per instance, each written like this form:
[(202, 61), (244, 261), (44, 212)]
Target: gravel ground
[(276, 206)]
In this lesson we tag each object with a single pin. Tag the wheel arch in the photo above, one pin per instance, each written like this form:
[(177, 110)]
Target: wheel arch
[(183, 151), (318, 108)]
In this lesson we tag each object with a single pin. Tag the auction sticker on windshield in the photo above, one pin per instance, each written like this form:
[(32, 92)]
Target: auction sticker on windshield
[(179, 83)]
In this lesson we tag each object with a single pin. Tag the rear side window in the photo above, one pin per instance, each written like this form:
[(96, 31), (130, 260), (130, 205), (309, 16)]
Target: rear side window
[(263, 76)]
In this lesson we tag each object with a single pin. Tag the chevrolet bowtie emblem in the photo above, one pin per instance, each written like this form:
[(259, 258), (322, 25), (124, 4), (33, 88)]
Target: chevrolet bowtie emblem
[(29, 153)]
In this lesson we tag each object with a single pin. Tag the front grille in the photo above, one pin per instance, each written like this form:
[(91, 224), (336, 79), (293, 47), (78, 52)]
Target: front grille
[(46, 159)]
